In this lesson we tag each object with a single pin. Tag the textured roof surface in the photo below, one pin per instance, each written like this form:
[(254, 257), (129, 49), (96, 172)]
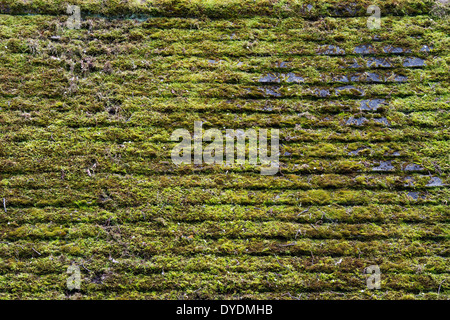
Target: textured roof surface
[(86, 175)]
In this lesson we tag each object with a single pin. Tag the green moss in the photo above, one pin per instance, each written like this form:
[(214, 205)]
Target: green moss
[(86, 117)]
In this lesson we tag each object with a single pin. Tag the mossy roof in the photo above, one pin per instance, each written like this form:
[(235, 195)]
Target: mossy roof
[(86, 176)]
